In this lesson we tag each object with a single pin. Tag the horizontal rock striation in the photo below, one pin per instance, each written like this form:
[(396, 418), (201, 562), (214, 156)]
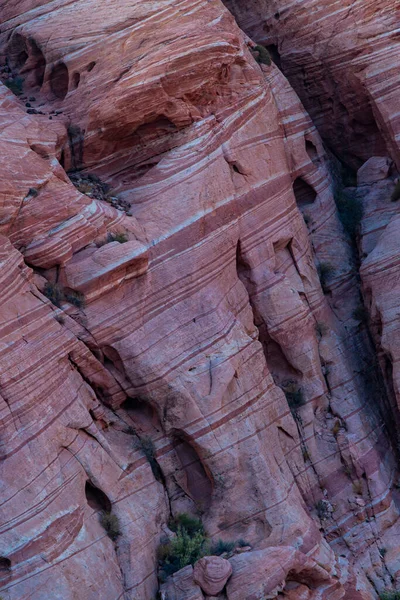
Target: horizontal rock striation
[(341, 60), (184, 354)]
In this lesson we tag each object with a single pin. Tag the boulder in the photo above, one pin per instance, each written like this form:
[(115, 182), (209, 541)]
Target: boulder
[(211, 573)]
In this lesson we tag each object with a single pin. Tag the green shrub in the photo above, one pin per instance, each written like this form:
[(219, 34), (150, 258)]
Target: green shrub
[(325, 271), (396, 193), (322, 507), (389, 595), (350, 211), (54, 293), (110, 523), (263, 55), (120, 237), (191, 524), (220, 547), (242, 543), (185, 549), (75, 298)]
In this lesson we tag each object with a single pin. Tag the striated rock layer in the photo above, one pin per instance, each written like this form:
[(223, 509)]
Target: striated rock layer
[(341, 58), (188, 312)]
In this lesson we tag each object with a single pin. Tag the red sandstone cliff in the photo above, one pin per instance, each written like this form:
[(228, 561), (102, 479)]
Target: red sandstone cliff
[(182, 305)]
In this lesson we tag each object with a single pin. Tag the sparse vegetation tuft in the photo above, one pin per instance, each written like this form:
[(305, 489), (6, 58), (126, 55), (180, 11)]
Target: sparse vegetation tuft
[(75, 298), (323, 511), (189, 544), (121, 238), (221, 547), (325, 271), (389, 595), (396, 193), (263, 57), (110, 522), (56, 294)]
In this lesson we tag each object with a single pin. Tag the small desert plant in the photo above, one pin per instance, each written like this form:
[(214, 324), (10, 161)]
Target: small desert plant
[(383, 552), (120, 237), (75, 298), (263, 56), (220, 547), (191, 524), (110, 523), (325, 271), (185, 548), (54, 293), (242, 543), (322, 507), (389, 595), (396, 193), (321, 328), (360, 313)]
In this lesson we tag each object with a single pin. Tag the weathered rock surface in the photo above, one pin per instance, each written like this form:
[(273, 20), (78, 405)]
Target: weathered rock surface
[(191, 330), (211, 573), (341, 60)]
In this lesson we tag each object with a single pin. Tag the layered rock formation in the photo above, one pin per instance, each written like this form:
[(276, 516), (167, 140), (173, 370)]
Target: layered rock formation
[(167, 346), (340, 58)]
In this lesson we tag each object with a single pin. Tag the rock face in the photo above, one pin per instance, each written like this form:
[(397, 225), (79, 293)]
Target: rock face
[(180, 318), (341, 60)]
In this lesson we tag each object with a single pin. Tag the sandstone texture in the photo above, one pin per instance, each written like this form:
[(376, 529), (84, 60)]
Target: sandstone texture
[(211, 573), (183, 325)]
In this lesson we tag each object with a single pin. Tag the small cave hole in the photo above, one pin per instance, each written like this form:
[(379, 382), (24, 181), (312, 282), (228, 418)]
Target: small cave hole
[(275, 55), (59, 81), (304, 193), (91, 66), (96, 498), (235, 168), (5, 564), (76, 78), (198, 481), (38, 63), (312, 151)]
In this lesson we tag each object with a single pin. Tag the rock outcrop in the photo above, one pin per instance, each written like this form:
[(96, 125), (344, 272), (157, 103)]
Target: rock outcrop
[(180, 315)]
